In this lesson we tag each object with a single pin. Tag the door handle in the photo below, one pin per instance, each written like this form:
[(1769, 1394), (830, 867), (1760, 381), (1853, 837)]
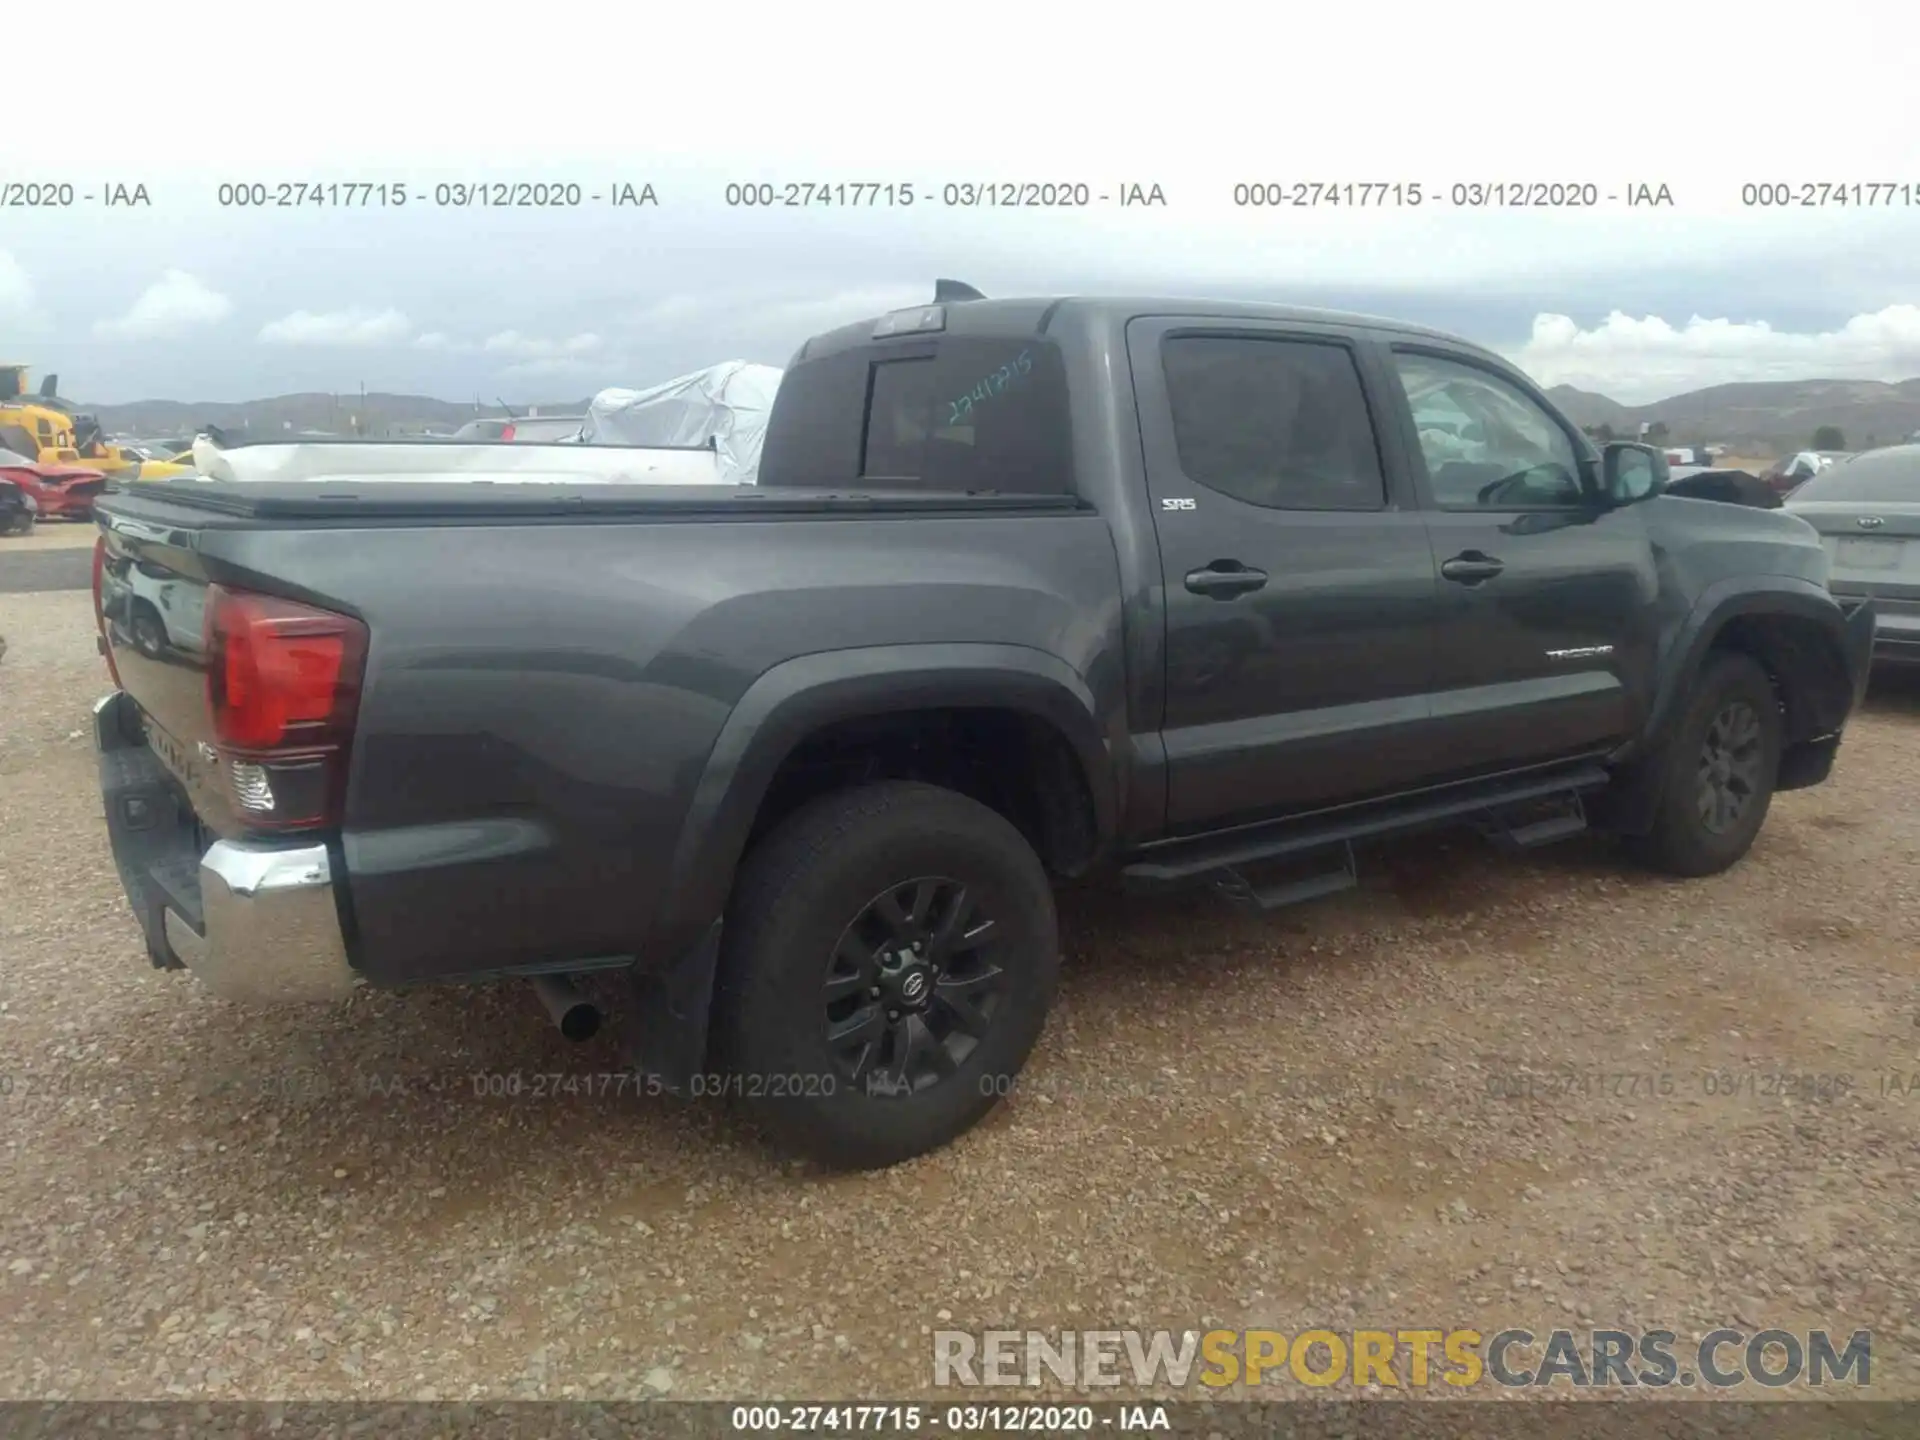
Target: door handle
[(1224, 579), (1470, 568)]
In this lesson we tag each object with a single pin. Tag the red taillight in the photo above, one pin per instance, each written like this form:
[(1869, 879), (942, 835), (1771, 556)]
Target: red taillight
[(280, 674), (99, 610), (507, 433), (283, 687)]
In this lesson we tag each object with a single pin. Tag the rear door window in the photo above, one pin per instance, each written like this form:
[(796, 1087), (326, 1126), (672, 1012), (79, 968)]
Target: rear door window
[(1279, 423)]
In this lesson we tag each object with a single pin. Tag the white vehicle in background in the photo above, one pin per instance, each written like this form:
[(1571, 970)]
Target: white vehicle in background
[(705, 428), (558, 463), (1794, 471), (524, 430), (724, 406), (162, 613)]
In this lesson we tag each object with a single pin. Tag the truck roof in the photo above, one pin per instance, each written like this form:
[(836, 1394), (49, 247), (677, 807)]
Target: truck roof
[(1029, 315)]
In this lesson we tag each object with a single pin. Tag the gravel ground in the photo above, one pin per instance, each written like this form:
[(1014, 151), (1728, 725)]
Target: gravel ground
[(51, 535), (1292, 1121)]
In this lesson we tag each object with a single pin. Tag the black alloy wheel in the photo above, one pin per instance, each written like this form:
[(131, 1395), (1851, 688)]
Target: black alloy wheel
[(888, 958), (913, 986), (1719, 770), (1729, 776)]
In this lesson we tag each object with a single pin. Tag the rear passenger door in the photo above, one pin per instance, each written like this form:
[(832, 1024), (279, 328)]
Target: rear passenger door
[(1297, 573)]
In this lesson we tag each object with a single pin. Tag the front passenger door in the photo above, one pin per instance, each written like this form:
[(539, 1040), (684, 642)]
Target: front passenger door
[(1546, 622)]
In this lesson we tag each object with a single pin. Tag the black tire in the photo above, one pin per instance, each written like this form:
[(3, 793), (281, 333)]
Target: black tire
[(22, 524), (806, 909), (1696, 830)]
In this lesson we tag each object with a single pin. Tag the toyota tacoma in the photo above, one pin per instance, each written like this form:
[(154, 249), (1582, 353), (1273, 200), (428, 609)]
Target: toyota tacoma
[(1173, 591)]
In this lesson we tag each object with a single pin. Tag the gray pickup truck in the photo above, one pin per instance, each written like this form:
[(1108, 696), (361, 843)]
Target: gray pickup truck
[(1182, 592)]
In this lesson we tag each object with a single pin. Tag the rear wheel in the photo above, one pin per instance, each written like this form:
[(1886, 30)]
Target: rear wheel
[(889, 956), (1720, 771), (22, 524), (149, 631)]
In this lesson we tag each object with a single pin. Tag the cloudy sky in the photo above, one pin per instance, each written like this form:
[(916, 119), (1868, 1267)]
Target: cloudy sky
[(189, 298)]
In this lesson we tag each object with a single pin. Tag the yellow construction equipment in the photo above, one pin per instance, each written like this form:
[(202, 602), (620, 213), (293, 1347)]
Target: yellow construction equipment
[(45, 428)]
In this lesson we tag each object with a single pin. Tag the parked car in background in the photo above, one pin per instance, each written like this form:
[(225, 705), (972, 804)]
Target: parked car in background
[(16, 510), (1867, 510), (60, 492), (533, 430), (485, 430), (162, 614), (1794, 471)]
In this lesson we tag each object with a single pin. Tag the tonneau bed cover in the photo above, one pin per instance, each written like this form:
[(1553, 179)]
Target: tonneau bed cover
[(351, 502)]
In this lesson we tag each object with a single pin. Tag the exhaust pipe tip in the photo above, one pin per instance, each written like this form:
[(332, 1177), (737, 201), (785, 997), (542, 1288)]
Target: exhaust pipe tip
[(576, 1017), (580, 1022)]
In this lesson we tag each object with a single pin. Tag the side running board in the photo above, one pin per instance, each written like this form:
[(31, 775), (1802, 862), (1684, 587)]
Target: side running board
[(1516, 813), (1236, 889)]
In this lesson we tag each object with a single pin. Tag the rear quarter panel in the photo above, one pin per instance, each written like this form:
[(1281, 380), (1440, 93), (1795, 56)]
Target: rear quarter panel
[(542, 701)]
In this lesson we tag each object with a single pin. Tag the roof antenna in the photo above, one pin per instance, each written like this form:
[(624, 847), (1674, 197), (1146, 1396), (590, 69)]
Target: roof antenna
[(947, 291)]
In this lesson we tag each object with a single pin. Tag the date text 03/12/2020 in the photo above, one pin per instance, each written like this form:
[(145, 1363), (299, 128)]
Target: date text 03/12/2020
[(307, 195)]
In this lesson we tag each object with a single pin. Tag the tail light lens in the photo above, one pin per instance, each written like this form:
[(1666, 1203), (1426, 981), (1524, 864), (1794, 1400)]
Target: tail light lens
[(507, 433), (99, 608), (283, 688)]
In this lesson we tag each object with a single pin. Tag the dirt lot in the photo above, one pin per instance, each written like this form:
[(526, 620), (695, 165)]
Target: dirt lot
[(1286, 1122)]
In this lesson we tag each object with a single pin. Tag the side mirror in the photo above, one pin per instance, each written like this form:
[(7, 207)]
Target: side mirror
[(1630, 472)]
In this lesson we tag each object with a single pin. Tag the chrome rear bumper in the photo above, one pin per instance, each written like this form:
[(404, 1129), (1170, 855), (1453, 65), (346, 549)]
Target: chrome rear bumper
[(258, 923)]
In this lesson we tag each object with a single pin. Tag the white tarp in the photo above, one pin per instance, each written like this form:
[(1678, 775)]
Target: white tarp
[(724, 406), (432, 460)]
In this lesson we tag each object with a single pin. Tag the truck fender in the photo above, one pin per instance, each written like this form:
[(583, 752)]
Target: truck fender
[(673, 998), (1631, 808), (797, 697)]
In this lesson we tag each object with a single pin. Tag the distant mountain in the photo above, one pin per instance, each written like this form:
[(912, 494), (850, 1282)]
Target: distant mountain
[(1769, 415), (376, 414)]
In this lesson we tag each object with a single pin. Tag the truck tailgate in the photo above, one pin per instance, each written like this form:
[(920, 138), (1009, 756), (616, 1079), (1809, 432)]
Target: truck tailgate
[(152, 599)]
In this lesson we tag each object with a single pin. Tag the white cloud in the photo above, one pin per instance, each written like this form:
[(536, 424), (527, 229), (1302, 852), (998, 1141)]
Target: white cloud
[(533, 347), (171, 306), (533, 357), (437, 340), (666, 313), (16, 290), (353, 327), (1638, 360), (555, 365), (802, 318)]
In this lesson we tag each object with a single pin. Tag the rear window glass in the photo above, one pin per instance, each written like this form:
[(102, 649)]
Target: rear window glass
[(957, 414), (1872, 479)]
